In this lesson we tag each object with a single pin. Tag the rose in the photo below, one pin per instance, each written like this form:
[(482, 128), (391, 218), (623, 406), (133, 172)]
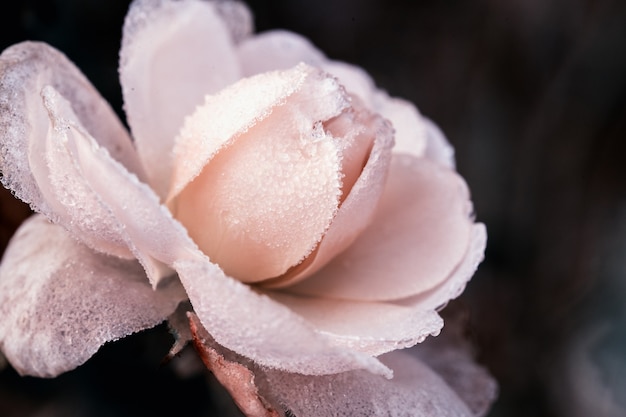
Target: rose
[(386, 234)]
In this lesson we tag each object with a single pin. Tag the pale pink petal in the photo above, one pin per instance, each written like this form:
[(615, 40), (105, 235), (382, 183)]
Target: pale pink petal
[(378, 327), (415, 390), (25, 69), (275, 50), (260, 329), (173, 54), (231, 113), (237, 18), (419, 235), (263, 202), (97, 198), (410, 126), (60, 302), (358, 207), (364, 326), (454, 285), (437, 146), (355, 79)]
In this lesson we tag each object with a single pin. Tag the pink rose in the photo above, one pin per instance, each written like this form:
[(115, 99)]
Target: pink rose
[(261, 182)]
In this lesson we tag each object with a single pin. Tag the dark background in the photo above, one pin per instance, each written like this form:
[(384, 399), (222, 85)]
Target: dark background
[(532, 94)]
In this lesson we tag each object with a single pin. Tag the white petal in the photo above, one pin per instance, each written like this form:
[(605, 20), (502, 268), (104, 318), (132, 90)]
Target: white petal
[(276, 50), (173, 54), (237, 17), (418, 237), (258, 328), (97, 198), (60, 302), (415, 390), (24, 69)]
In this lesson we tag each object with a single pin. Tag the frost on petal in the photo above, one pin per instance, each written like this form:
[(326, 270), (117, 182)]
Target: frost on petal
[(25, 69), (173, 54), (97, 198), (260, 329), (418, 237), (369, 327), (355, 79), (263, 202), (60, 302), (414, 390), (276, 50), (365, 164)]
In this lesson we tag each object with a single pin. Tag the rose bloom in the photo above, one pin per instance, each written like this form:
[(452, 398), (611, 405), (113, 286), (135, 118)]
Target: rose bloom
[(314, 223)]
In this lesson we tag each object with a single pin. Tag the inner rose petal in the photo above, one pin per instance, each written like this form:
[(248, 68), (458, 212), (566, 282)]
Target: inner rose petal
[(263, 202)]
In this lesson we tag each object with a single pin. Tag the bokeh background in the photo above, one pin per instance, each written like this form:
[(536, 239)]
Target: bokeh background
[(532, 94)]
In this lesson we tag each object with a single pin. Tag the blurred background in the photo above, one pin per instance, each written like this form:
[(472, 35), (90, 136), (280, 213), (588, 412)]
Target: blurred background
[(532, 94)]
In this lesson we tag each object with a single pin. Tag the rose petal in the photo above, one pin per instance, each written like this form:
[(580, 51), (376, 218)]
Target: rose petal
[(411, 127), (263, 202), (276, 50), (173, 54), (415, 390), (237, 18), (355, 79), (255, 326), (373, 328), (98, 197), (60, 302), (231, 113), (419, 235), (438, 148), (454, 285), (356, 211), (24, 69)]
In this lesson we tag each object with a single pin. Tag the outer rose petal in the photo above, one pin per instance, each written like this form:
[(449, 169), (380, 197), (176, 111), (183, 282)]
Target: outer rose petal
[(96, 192), (414, 390), (24, 70), (417, 238), (160, 85), (373, 328), (60, 302), (379, 327), (276, 50), (255, 326)]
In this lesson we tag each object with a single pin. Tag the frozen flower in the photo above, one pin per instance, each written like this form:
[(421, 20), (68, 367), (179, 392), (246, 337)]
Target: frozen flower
[(261, 183)]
